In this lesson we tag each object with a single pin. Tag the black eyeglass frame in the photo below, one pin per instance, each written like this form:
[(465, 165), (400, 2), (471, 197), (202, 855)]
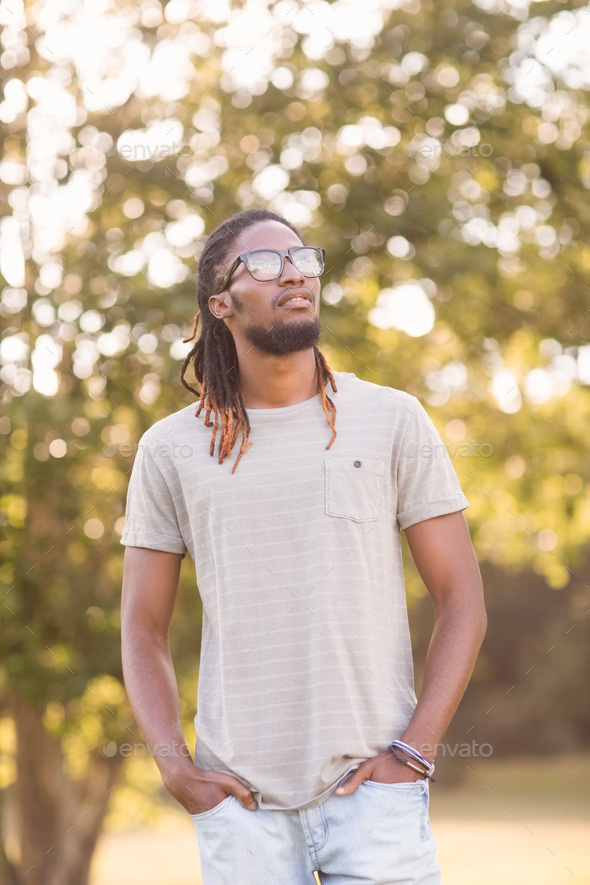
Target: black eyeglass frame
[(284, 253)]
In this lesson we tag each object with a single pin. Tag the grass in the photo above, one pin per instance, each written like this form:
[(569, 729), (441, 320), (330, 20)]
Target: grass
[(517, 822)]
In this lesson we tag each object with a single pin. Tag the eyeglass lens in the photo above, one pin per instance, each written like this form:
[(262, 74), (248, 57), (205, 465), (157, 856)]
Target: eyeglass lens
[(265, 264)]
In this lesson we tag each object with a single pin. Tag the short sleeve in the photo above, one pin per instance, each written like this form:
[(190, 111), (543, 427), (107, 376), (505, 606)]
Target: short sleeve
[(426, 481), (151, 518)]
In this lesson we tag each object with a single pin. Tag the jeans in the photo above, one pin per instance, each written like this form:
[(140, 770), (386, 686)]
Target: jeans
[(378, 835)]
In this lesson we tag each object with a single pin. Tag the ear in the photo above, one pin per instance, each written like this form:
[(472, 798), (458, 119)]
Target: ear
[(220, 305)]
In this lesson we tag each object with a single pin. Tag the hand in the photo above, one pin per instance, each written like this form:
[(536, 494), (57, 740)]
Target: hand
[(384, 769), (198, 790)]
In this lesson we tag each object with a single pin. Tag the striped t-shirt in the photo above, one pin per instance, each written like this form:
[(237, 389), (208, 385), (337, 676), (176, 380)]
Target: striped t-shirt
[(306, 666)]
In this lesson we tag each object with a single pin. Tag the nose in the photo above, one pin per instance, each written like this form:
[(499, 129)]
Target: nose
[(290, 273)]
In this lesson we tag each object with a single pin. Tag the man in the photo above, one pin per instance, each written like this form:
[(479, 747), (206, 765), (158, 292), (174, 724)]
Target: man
[(294, 526)]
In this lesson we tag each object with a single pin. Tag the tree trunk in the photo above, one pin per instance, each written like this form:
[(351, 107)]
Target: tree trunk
[(59, 819)]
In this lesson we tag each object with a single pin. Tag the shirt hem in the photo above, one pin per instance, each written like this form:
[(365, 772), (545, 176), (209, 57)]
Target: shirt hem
[(153, 542), (430, 509)]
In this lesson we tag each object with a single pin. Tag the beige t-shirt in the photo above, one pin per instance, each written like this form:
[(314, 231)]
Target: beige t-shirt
[(306, 666)]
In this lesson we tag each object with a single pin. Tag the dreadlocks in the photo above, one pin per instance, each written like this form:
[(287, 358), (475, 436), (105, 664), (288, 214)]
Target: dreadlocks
[(214, 357)]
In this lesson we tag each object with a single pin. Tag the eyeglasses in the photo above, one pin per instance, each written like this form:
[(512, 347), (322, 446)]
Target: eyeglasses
[(268, 264)]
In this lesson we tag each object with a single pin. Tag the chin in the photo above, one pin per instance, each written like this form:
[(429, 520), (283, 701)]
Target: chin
[(286, 337)]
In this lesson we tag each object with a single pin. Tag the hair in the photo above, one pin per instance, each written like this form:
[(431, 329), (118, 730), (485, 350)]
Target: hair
[(214, 357)]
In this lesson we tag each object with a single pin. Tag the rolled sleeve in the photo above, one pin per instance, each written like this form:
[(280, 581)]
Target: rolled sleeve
[(151, 518), (426, 481)]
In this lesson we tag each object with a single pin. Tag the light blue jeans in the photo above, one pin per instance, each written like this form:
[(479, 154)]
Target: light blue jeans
[(379, 835)]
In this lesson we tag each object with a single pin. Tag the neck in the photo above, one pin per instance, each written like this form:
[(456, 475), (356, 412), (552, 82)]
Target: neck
[(273, 382)]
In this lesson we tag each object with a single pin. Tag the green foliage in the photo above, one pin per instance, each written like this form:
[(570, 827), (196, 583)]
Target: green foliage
[(417, 154)]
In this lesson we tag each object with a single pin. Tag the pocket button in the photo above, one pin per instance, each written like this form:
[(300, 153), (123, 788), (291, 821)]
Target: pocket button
[(358, 463)]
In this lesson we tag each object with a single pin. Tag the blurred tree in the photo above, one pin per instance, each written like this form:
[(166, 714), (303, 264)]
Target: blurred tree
[(441, 156)]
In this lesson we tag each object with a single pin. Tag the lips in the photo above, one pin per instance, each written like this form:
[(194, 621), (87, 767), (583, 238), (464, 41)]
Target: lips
[(294, 299)]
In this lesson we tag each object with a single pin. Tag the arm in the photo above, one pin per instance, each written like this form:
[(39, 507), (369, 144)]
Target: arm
[(150, 581), (442, 550), (444, 556)]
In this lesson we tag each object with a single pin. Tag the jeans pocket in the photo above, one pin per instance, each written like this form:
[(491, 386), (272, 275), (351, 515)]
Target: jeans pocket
[(211, 812), (353, 488), (405, 786), (411, 798)]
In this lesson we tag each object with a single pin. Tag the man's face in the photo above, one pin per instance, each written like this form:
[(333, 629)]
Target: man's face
[(276, 316)]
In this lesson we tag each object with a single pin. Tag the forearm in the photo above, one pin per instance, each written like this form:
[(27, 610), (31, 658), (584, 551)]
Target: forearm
[(150, 579), (152, 689), (458, 632)]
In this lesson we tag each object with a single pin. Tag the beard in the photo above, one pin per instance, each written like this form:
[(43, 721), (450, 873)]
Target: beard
[(283, 338)]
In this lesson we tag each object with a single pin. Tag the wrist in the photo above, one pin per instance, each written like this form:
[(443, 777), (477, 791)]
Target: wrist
[(413, 758), (426, 748), (171, 758)]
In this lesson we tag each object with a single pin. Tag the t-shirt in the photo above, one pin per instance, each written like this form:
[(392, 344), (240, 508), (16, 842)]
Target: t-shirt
[(306, 666)]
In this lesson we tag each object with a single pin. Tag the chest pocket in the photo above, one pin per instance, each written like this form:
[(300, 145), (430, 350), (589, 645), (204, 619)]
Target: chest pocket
[(353, 488)]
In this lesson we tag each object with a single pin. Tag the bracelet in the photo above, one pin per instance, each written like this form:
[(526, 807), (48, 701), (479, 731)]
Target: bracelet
[(426, 769)]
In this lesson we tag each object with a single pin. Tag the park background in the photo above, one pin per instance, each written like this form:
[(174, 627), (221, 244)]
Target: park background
[(441, 154)]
